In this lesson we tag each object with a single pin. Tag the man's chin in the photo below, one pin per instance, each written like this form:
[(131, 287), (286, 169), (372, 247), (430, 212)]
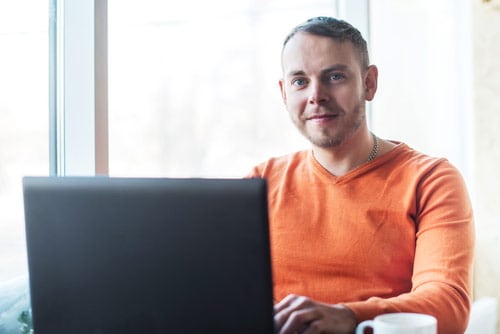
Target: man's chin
[(324, 142)]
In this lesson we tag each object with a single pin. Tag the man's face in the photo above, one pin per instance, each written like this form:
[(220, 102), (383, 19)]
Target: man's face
[(324, 88)]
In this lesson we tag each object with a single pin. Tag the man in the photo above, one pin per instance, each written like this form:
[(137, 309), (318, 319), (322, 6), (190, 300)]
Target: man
[(359, 225)]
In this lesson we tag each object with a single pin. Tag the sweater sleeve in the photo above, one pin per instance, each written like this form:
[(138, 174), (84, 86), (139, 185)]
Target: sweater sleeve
[(442, 271)]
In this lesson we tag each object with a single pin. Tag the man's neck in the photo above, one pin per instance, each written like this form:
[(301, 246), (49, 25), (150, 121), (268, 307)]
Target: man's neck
[(350, 154)]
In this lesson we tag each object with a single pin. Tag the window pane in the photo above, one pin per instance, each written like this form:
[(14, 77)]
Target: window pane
[(23, 120), (193, 85)]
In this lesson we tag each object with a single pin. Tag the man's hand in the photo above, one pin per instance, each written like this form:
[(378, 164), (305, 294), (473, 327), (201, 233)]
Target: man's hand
[(298, 314)]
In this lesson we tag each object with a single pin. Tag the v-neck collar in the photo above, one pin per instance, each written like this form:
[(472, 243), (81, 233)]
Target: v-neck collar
[(355, 172)]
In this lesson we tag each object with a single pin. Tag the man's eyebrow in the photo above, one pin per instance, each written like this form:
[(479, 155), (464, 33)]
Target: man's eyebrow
[(294, 73), (335, 67)]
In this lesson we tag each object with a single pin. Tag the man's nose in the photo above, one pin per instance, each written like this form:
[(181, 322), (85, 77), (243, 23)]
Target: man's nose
[(318, 94)]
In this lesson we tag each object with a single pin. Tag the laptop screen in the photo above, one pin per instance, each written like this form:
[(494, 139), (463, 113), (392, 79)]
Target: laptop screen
[(144, 255)]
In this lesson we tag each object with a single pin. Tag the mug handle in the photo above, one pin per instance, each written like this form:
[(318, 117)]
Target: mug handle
[(361, 327)]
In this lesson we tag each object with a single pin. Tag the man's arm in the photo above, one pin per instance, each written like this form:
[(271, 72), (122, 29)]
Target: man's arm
[(442, 271)]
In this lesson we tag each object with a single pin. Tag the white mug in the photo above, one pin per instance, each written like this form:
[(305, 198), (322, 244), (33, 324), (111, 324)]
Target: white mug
[(400, 323)]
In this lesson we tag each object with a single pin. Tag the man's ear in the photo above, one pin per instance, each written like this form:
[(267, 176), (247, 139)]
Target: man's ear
[(371, 80), (282, 89)]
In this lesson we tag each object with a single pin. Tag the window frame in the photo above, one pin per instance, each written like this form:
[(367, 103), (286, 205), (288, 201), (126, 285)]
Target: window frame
[(78, 88)]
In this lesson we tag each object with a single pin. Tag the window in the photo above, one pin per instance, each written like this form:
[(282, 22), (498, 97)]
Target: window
[(23, 120), (193, 85), (424, 95)]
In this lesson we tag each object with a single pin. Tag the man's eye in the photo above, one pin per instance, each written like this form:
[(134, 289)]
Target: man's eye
[(336, 77), (298, 82)]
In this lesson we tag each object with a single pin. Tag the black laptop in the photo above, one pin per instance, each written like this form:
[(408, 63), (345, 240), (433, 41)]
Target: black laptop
[(148, 255)]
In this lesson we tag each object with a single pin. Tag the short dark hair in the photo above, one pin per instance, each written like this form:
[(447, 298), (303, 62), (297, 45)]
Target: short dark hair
[(337, 30)]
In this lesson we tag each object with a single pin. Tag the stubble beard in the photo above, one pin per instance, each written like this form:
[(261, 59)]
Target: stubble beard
[(326, 139)]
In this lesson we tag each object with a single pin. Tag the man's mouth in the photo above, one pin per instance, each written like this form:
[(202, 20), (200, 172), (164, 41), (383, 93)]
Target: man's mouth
[(321, 117)]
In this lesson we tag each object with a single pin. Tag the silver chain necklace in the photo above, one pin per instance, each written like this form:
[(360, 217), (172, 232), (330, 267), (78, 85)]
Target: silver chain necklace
[(374, 151)]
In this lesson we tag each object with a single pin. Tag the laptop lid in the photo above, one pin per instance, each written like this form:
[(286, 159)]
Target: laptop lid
[(144, 255)]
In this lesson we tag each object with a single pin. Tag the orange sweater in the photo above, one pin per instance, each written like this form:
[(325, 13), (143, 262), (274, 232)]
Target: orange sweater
[(393, 235)]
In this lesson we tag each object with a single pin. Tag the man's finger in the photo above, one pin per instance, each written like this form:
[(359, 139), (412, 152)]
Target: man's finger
[(284, 303), (298, 321)]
